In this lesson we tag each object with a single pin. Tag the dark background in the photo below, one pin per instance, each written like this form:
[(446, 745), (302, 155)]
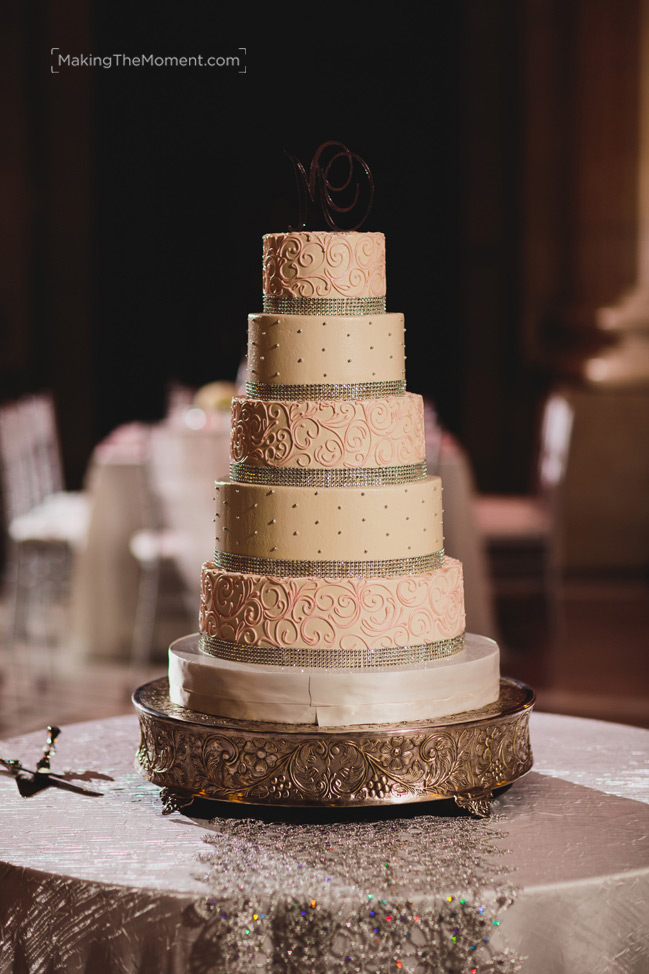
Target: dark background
[(135, 199), (191, 172)]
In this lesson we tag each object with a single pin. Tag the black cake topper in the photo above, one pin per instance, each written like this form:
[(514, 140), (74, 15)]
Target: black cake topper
[(319, 187)]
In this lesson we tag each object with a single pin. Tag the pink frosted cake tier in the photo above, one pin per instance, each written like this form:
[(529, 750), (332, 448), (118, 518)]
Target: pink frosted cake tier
[(320, 613), (328, 433), (324, 264)]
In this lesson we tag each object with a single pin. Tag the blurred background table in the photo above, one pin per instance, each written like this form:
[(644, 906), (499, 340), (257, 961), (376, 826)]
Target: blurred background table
[(157, 479), (105, 580), (559, 875), (461, 536)]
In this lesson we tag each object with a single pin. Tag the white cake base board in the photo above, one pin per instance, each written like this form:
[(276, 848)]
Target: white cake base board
[(334, 697)]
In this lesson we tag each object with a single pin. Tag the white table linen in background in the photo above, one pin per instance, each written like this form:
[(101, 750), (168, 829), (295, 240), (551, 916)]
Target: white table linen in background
[(109, 884), (184, 465), (177, 467), (105, 582), (462, 539)]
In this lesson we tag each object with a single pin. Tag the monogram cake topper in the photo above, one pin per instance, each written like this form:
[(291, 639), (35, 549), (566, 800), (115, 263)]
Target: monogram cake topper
[(320, 189)]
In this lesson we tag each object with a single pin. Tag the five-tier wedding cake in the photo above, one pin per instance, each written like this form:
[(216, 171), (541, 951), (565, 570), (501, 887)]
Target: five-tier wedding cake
[(330, 600)]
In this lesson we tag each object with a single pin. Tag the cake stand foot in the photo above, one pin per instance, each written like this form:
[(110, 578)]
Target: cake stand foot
[(477, 803), (174, 801)]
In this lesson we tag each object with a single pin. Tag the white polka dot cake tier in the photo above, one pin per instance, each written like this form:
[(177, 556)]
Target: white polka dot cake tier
[(308, 350), (329, 523)]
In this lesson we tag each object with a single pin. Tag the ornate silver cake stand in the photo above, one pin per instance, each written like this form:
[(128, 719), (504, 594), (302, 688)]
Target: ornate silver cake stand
[(465, 757)]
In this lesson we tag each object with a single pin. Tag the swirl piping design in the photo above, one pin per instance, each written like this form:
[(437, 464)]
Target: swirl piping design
[(330, 434), (324, 265), (347, 614)]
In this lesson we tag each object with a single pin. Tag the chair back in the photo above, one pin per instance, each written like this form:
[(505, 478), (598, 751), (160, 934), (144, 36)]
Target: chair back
[(556, 433), (14, 473), (40, 415), (30, 460)]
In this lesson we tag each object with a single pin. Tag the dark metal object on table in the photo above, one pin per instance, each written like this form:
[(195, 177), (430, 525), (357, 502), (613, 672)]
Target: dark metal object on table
[(31, 782), (465, 757)]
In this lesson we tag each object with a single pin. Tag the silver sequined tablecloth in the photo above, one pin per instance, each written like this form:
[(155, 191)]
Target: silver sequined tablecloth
[(556, 881)]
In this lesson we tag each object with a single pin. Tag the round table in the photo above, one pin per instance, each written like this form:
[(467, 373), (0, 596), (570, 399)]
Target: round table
[(557, 880)]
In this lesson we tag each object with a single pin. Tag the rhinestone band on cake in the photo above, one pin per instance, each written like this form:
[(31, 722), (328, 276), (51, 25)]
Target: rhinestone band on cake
[(322, 306), (331, 390), (317, 477), (327, 658), (329, 569)]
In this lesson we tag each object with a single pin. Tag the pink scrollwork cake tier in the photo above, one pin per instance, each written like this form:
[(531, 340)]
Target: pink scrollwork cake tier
[(344, 613), (328, 433), (322, 264)]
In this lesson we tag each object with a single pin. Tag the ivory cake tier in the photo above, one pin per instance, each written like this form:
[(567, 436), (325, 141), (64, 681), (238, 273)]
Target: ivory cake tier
[(334, 697), (307, 350), (320, 613), (329, 434), (330, 523)]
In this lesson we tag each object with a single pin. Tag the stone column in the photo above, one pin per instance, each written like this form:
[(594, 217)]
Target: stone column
[(607, 493), (586, 240), (626, 362)]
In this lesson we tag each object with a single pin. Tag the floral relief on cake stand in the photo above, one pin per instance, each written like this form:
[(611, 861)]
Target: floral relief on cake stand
[(465, 757)]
